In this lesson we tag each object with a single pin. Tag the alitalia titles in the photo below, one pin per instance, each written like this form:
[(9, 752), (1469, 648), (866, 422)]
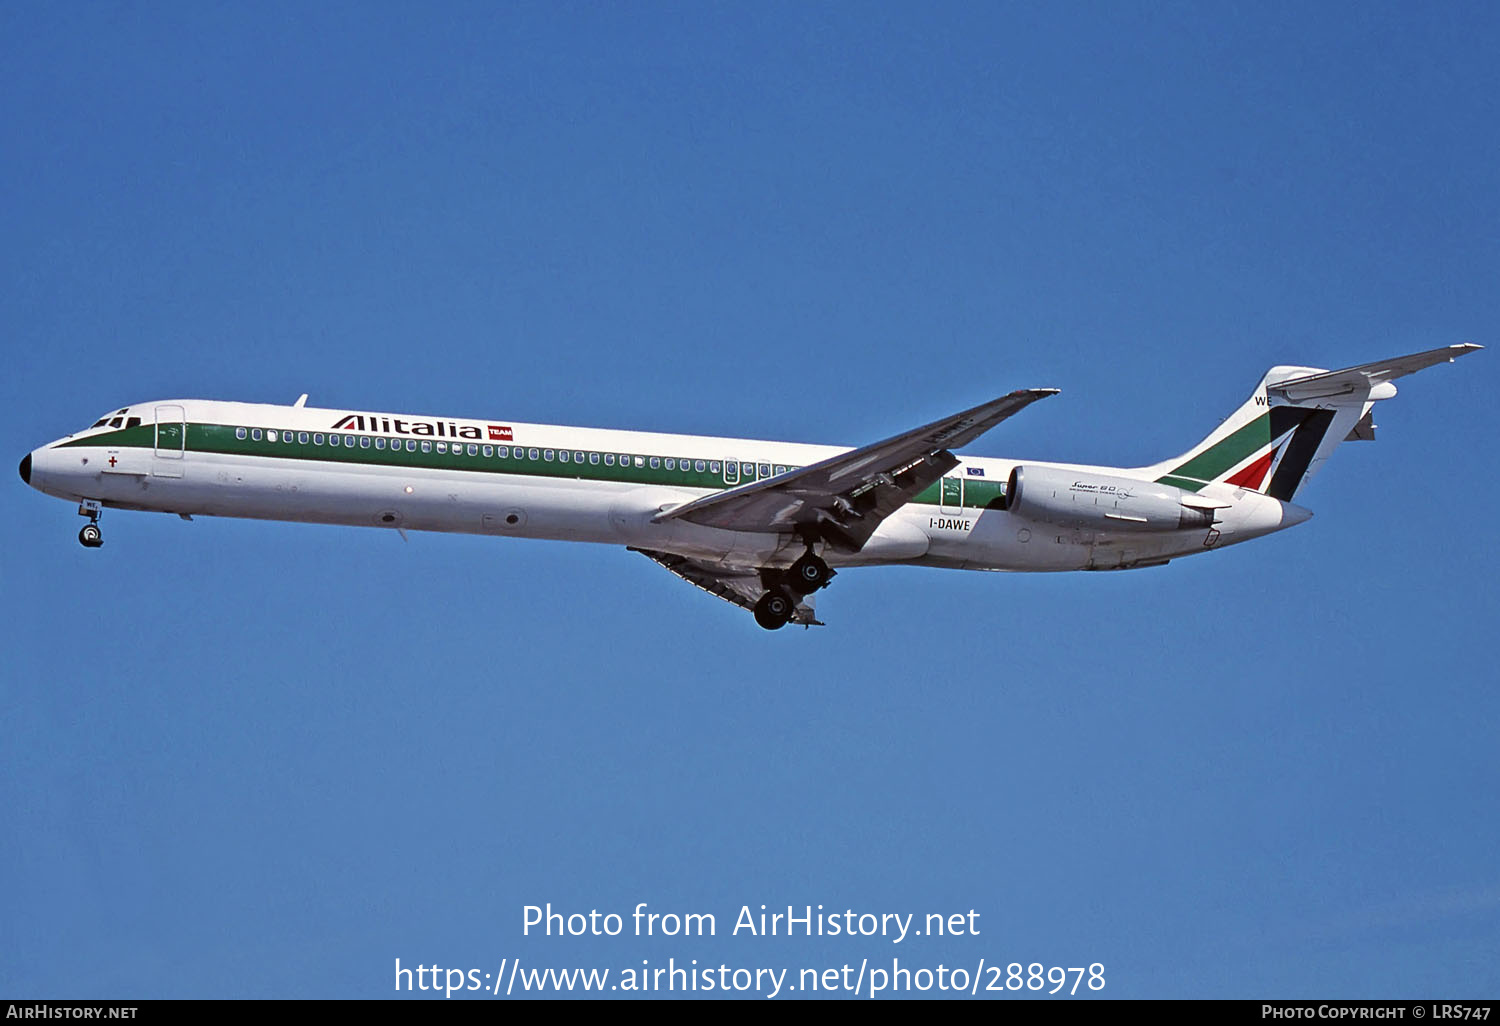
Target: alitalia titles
[(431, 428)]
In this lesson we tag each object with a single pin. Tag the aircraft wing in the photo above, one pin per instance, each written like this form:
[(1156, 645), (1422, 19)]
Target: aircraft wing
[(844, 498), (742, 587)]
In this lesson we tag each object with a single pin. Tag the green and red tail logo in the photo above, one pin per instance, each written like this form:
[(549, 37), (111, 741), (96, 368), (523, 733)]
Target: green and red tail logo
[(1270, 454)]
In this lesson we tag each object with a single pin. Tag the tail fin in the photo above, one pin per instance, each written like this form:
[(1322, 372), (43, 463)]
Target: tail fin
[(1291, 423)]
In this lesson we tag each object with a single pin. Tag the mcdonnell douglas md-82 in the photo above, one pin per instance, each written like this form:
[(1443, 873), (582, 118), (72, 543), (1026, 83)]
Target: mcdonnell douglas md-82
[(764, 525)]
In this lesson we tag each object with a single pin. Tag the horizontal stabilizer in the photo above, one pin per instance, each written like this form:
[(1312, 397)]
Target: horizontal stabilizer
[(1359, 383), (1364, 431)]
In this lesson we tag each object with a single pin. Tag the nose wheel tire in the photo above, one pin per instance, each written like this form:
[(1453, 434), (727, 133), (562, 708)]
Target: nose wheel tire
[(91, 537), (774, 610), (809, 574)]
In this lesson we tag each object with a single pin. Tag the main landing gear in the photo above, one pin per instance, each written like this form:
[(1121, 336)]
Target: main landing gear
[(90, 537), (779, 604), (775, 609), (809, 574)]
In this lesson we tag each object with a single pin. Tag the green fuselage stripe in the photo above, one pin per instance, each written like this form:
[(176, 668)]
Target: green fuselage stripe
[(221, 439)]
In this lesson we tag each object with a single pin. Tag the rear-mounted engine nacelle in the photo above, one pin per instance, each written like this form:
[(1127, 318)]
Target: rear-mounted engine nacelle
[(1072, 499)]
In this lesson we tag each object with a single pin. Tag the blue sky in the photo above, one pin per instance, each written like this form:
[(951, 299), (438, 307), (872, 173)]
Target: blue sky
[(255, 759)]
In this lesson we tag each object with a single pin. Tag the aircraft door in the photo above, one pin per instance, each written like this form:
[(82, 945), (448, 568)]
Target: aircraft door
[(731, 472), (171, 441), (951, 496)]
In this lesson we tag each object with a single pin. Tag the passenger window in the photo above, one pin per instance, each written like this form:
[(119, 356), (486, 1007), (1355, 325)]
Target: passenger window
[(563, 456), (364, 441), (270, 436), (714, 466), (442, 446), (333, 439), (349, 441), (426, 446), (380, 443), (318, 438), (671, 464), (302, 437), (609, 459), (489, 450), (593, 457), (765, 470), (531, 454), (411, 445), (640, 461), (239, 433), (502, 451), (578, 457), (255, 433), (698, 466), (780, 469)]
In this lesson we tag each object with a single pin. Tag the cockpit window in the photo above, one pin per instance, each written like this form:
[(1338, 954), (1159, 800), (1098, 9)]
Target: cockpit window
[(114, 420)]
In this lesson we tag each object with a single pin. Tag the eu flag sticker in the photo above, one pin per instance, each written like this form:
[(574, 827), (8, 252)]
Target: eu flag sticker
[(976, 471)]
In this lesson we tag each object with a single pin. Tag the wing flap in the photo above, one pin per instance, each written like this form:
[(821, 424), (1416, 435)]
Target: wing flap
[(741, 587)]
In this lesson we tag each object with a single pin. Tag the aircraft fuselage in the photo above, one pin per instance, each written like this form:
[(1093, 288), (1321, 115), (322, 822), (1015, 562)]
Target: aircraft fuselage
[(208, 458)]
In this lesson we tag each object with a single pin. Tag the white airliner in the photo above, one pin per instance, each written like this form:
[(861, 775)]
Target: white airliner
[(761, 524)]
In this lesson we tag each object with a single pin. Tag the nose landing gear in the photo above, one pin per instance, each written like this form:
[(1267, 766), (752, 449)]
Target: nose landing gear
[(90, 537)]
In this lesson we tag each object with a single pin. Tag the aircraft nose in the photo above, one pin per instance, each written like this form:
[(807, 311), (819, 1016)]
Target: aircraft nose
[(26, 468)]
